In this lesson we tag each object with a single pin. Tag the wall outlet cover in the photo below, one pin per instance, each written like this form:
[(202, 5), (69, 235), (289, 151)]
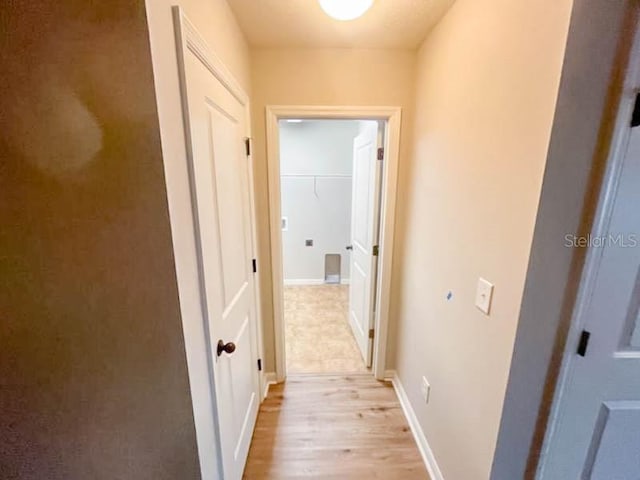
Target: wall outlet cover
[(484, 294), (425, 389)]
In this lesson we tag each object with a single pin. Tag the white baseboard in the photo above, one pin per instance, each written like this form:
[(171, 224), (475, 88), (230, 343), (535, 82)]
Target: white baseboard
[(310, 281), (268, 379), (425, 450), (304, 281), (389, 375)]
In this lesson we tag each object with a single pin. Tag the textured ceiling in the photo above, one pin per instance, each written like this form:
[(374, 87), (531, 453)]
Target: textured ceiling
[(302, 23)]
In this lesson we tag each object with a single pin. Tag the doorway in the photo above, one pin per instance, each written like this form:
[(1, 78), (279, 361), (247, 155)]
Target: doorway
[(216, 124), (331, 216), (328, 167), (593, 430)]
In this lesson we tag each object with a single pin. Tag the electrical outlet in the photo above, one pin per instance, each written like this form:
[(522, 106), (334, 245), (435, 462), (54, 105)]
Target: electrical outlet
[(308, 243), (425, 389)]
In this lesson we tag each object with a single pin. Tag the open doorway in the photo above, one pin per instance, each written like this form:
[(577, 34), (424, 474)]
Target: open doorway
[(330, 176), (332, 190)]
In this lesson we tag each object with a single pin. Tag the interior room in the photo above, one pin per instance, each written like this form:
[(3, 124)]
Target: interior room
[(316, 168)]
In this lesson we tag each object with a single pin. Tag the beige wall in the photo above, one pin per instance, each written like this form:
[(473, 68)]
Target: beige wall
[(319, 77), (93, 373), (217, 25), (579, 146), (487, 83)]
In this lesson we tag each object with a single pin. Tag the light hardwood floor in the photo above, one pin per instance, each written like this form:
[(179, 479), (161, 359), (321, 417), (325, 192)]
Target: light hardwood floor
[(333, 428), (318, 337)]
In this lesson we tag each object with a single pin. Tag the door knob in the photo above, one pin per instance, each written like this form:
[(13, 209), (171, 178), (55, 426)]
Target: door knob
[(349, 247), (228, 348)]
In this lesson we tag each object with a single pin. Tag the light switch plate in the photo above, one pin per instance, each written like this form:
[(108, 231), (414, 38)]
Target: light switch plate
[(484, 293), (425, 389)]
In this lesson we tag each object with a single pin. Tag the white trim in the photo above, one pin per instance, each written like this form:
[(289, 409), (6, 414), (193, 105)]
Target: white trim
[(254, 247), (268, 379), (311, 281), (187, 38), (392, 115), (418, 434), (388, 375), (303, 281), (601, 222)]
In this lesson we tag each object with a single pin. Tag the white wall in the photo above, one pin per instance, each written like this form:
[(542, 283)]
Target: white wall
[(316, 159), (317, 147)]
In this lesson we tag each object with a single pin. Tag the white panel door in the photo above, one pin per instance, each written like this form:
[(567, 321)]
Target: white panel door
[(365, 208), (216, 127), (597, 432)]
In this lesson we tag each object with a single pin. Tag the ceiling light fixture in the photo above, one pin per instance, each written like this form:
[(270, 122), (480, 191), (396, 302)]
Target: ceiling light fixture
[(294, 120), (345, 9)]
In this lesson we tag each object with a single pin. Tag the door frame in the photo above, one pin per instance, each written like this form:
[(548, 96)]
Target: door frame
[(584, 116), (392, 117), (601, 221), (187, 37)]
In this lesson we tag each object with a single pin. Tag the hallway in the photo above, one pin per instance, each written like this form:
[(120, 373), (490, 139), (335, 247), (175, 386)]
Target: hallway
[(224, 222), (333, 428)]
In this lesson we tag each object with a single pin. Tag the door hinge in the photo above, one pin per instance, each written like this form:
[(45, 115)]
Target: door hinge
[(583, 343), (371, 333), (254, 263), (247, 146), (635, 118), (380, 153), (259, 364), (376, 250)]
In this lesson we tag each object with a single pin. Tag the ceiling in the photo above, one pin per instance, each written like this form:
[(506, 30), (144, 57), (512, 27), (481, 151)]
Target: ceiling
[(302, 23)]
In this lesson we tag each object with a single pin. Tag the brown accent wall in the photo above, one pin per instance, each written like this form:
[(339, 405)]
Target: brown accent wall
[(93, 376)]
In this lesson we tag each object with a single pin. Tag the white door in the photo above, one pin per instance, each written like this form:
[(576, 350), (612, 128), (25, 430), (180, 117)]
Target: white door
[(216, 125), (597, 432), (365, 208)]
